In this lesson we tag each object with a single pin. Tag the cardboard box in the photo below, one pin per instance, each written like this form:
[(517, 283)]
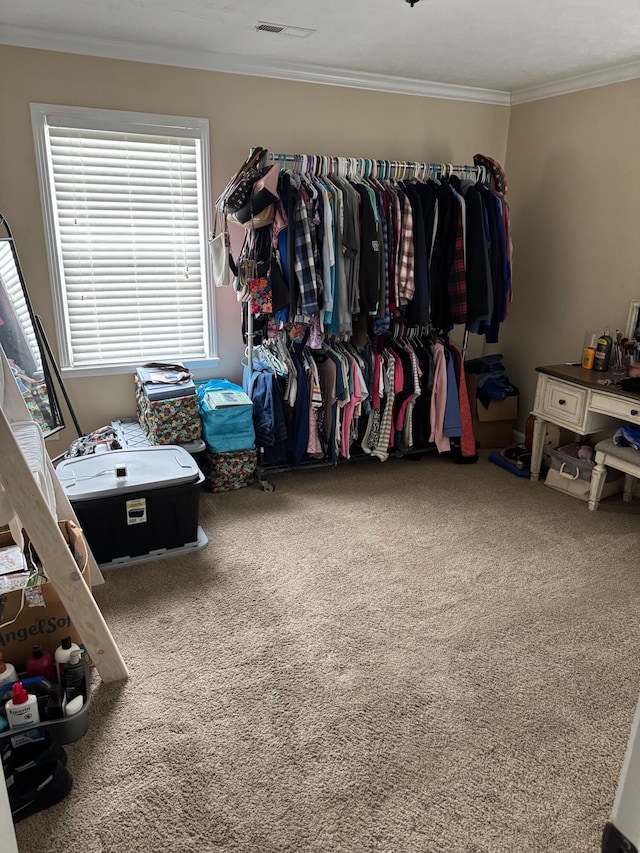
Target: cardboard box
[(43, 625), (492, 425)]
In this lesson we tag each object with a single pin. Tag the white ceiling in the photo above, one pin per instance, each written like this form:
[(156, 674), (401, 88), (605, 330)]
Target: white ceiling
[(505, 45)]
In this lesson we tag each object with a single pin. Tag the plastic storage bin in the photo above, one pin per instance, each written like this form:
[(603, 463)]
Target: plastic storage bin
[(134, 504)]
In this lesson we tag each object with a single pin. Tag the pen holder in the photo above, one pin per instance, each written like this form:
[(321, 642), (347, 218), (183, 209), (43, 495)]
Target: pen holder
[(617, 358)]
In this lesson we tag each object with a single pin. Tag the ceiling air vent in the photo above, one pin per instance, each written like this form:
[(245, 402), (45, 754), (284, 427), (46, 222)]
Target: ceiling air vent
[(284, 30)]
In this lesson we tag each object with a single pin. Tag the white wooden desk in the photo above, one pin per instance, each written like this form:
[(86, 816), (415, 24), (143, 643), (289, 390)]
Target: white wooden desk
[(571, 397)]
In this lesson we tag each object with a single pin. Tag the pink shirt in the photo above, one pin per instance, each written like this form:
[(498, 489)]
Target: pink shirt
[(439, 399)]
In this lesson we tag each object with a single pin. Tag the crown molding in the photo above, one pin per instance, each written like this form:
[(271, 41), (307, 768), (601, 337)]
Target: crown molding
[(227, 63), (605, 77)]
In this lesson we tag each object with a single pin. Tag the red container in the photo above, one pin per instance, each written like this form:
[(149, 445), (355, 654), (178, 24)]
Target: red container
[(41, 663)]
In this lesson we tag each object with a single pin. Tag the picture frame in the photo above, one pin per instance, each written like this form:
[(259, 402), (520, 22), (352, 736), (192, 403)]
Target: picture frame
[(633, 319)]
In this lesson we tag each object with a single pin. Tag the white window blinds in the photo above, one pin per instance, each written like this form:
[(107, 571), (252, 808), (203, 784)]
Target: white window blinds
[(129, 227), (10, 278)]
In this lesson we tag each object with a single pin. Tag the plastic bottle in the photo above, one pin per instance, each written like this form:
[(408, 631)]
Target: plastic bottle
[(73, 707), (53, 710), (589, 349), (62, 655), (603, 351), (41, 663), (73, 677), (7, 671), (22, 708)]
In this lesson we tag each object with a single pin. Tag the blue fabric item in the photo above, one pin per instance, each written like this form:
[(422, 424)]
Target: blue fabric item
[(627, 436), (492, 381), (490, 365), (268, 414), (452, 420), (227, 428), (501, 462), (282, 316)]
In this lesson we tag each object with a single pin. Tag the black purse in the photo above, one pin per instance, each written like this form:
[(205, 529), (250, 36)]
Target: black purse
[(239, 187), (240, 195)]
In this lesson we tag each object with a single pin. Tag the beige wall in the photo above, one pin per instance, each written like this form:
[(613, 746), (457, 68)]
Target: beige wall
[(243, 112), (573, 164)]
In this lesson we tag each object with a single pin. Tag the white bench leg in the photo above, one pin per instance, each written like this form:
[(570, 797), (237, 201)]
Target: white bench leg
[(629, 483), (597, 484)]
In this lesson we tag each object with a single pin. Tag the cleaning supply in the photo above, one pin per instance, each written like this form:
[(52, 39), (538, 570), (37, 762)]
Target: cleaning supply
[(7, 671), (41, 663), (602, 355), (54, 708), (62, 655), (73, 707), (22, 708), (73, 677)]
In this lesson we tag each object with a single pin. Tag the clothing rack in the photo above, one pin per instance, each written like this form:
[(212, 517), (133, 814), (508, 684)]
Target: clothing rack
[(321, 164), (373, 168), (374, 172)]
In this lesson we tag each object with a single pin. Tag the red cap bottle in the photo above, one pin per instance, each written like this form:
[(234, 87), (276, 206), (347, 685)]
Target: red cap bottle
[(19, 694), (41, 663)]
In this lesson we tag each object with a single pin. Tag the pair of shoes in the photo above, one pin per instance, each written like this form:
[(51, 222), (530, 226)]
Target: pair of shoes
[(23, 750), (35, 769), (37, 787), (519, 456)]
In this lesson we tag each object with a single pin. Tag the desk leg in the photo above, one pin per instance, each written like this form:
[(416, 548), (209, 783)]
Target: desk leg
[(539, 432)]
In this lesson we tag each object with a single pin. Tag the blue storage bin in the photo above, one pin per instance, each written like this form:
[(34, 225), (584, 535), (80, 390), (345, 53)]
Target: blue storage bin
[(225, 428)]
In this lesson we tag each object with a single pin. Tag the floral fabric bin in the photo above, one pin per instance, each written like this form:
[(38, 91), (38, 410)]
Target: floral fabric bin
[(230, 470), (172, 421)]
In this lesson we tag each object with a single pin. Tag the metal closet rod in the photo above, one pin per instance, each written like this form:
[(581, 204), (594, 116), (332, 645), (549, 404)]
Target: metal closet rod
[(365, 165)]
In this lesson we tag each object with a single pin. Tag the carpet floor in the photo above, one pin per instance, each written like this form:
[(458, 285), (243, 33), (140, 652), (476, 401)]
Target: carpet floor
[(409, 657)]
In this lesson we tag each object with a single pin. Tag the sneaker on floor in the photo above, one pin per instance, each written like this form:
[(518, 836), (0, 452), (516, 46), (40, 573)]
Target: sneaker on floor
[(23, 750), (37, 788)]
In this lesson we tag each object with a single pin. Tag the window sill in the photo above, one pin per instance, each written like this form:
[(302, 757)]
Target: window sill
[(205, 365)]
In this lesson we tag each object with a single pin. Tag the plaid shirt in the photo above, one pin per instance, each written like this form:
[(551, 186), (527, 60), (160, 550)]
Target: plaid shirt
[(406, 282), (304, 261), (457, 283)]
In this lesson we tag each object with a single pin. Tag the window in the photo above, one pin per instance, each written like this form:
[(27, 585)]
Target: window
[(126, 201)]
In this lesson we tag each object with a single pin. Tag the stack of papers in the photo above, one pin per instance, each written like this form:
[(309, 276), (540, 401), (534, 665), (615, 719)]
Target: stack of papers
[(13, 569), (220, 399)]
